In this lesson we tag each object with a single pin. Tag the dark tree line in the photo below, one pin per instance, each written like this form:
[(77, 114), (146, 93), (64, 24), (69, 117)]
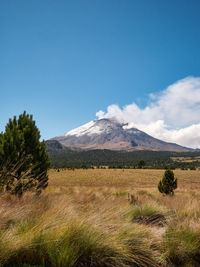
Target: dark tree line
[(62, 157)]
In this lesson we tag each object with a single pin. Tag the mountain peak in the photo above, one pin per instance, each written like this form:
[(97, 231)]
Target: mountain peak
[(94, 127), (111, 134)]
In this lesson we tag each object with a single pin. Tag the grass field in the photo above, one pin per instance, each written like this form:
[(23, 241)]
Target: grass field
[(130, 178), (186, 159), (103, 217)]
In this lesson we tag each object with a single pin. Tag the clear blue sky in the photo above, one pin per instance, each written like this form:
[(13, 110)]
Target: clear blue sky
[(63, 60)]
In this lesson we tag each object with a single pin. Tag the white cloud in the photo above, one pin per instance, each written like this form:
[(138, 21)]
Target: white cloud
[(172, 115)]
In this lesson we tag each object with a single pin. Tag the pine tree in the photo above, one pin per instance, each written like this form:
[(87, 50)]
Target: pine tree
[(141, 163), (168, 183), (1, 147), (23, 158)]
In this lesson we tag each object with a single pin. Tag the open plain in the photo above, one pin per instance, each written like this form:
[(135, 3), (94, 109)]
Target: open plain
[(103, 217), (129, 178)]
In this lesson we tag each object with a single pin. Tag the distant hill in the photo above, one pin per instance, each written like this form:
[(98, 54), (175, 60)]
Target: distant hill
[(112, 135), (55, 146)]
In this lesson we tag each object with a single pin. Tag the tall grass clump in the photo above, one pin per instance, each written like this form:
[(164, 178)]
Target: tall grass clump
[(144, 210), (73, 245), (51, 231), (182, 245)]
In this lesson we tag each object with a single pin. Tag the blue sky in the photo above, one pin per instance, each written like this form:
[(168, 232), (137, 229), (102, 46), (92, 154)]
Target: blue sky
[(65, 60)]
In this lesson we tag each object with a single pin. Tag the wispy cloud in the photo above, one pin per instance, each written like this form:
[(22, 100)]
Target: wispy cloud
[(172, 115)]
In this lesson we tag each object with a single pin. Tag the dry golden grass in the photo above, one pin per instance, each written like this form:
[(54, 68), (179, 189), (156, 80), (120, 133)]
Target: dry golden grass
[(186, 159), (94, 225), (90, 211), (136, 178)]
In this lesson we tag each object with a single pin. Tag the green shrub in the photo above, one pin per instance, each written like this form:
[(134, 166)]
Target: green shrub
[(168, 183)]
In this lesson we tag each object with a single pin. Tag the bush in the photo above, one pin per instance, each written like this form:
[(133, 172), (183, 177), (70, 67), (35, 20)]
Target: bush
[(141, 164), (168, 183), (23, 158)]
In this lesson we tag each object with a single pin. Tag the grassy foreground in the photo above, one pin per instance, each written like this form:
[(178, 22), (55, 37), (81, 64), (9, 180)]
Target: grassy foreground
[(103, 218)]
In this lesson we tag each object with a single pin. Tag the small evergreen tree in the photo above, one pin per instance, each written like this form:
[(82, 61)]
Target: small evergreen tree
[(23, 158), (168, 183), (141, 163)]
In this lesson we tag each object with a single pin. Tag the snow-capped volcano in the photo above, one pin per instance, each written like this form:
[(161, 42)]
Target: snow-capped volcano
[(89, 128), (110, 134)]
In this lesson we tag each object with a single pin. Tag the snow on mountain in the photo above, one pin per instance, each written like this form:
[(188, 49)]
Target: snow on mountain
[(110, 134), (89, 128)]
